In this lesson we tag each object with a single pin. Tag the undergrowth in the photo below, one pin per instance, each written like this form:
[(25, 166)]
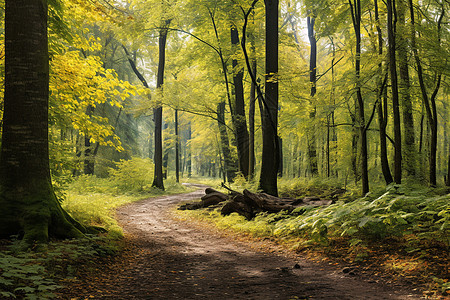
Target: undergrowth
[(414, 222), (91, 201)]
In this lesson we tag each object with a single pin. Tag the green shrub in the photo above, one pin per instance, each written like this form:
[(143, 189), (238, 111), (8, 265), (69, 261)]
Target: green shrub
[(134, 175)]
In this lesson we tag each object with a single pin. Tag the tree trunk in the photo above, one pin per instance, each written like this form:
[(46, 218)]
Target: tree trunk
[(229, 169), (89, 157), (189, 154), (165, 151), (239, 119), (270, 152), (394, 87), (311, 136), (251, 124), (429, 102), (382, 106), (28, 202), (356, 17), (177, 148), (158, 180), (409, 150), (252, 108)]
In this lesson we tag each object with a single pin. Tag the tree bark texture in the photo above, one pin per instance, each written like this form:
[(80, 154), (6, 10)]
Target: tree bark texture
[(158, 180), (239, 119), (270, 151), (28, 202), (409, 149)]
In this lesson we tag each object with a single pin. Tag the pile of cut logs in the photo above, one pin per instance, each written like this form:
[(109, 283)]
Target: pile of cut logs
[(249, 204)]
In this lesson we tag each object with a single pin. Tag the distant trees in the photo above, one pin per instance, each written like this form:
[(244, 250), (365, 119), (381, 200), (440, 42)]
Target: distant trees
[(339, 82)]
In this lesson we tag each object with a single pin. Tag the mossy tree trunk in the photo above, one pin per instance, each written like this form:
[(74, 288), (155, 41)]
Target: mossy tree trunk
[(28, 203), (238, 117)]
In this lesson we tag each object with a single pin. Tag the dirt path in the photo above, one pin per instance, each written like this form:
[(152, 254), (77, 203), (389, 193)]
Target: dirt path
[(168, 259)]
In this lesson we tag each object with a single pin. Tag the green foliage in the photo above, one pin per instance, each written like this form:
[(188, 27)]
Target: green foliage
[(418, 216), (35, 275), (391, 214), (134, 175)]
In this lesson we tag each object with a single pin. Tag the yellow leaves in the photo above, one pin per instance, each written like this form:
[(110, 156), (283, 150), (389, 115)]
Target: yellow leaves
[(78, 83)]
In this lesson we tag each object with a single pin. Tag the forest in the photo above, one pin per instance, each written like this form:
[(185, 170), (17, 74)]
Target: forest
[(323, 125)]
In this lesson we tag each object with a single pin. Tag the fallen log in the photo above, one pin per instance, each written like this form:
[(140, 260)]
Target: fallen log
[(212, 197), (249, 204)]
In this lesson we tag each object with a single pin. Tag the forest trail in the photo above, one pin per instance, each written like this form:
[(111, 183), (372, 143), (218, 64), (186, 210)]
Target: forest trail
[(171, 259)]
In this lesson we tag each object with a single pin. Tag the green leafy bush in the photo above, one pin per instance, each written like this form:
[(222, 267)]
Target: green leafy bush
[(134, 175)]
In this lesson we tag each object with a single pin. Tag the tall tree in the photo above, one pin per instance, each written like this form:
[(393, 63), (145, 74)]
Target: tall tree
[(356, 18), (382, 104), (177, 148), (394, 87), (429, 102), (238, 117), (27, 198), (408, 136), (158, 180), (312, 152), (270, 152)]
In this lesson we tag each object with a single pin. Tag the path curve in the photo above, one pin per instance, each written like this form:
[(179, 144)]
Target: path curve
[(170, 259)]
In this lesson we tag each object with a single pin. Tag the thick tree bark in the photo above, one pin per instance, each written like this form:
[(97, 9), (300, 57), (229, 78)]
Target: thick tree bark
[(158, 180), (28, 203), (394, 88), (238, 117), (270, 152)]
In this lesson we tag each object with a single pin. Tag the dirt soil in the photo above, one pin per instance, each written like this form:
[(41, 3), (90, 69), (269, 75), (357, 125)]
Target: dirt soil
[(166, 258)]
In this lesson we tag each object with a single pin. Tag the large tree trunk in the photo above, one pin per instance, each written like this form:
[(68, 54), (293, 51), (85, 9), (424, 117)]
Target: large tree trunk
[(270, 152), (28, 203), (239, 119), (158, 180)]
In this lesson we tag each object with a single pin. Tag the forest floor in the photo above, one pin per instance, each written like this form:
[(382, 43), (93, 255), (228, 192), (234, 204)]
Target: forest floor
[(167, 258)]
